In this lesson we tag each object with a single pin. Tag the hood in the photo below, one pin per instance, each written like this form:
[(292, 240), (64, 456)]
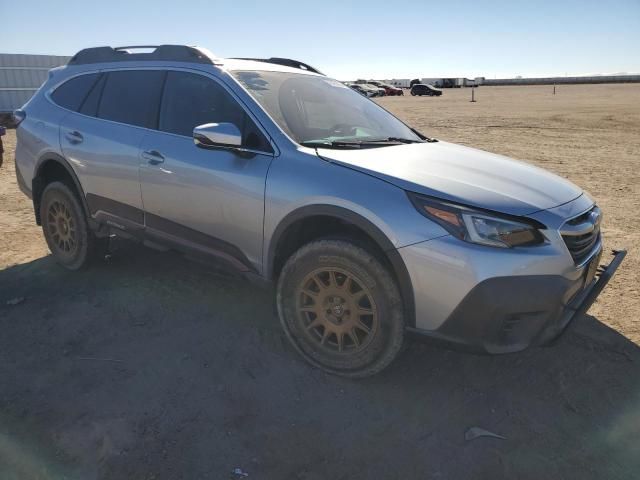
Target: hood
[(461, 175)]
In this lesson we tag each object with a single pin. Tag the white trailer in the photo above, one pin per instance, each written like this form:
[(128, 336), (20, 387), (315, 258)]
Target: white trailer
[(436, 82), (399, 82)]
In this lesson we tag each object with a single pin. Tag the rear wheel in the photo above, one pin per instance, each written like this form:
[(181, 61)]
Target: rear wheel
[(341, 308), (65, 228)]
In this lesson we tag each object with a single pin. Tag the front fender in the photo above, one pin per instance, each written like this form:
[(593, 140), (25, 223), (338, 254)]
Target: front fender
[(363, 224)]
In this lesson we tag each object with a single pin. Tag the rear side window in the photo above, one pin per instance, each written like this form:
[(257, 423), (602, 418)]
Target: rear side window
[(190, 100), (132, 97), (72, 93)]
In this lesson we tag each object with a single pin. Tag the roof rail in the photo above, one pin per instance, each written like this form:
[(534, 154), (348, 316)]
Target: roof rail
[(287, 62), (170, 53)]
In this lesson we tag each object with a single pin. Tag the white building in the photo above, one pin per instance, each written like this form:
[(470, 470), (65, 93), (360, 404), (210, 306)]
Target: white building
[(21, 75)]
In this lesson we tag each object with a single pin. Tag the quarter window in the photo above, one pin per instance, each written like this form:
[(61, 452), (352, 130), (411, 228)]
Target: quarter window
[(132, 97), (72, 93)]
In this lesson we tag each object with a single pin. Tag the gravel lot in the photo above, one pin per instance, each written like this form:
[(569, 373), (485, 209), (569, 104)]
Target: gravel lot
[(150, 367)]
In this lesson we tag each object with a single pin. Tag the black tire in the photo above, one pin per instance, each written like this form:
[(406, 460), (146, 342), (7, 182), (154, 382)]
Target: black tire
[(65, 228), (413, 94), (369, 332)]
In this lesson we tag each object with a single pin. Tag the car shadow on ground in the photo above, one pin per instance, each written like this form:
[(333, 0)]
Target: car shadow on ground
[(147, 366)]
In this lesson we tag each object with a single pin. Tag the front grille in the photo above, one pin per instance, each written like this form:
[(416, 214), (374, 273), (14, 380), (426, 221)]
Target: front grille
[(580, 246), (582, 233)]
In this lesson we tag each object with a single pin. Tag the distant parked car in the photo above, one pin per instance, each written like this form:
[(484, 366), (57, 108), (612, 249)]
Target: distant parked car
[(425, 89), (380, 92), (388, 89), (372, 89), (367, 92)]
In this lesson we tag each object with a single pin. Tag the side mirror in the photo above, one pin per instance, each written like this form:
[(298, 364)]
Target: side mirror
[(211, 135)]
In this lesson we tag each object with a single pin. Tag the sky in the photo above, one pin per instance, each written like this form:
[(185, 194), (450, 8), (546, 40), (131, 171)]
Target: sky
[(349, 40)]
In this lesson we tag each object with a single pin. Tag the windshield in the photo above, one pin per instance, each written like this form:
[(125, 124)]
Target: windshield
[(313, 109)]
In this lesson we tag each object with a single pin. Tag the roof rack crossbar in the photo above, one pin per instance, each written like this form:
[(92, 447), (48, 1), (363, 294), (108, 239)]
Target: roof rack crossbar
[(131, 47), (287, 62), (170, 53)]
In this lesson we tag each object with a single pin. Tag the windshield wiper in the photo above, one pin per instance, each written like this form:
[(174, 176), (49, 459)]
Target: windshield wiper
[(424, 137), (332, 144), (394, 140), (381, 142)]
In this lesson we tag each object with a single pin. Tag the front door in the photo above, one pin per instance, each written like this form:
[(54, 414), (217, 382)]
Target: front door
[(211, 200)]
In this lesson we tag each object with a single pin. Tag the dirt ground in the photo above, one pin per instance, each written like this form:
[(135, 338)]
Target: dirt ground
[(150, 367)]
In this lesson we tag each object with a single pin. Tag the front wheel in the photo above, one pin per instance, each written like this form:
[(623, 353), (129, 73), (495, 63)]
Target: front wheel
[(341, 308)]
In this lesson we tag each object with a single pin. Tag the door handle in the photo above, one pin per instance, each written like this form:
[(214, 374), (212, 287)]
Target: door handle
[(74, 137), (153, 157)]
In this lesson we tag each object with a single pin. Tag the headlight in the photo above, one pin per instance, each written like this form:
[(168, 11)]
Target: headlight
[(479, 227)]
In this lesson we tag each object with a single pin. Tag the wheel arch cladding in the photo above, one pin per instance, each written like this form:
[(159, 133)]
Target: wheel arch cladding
[(52, 167), (328, 220)]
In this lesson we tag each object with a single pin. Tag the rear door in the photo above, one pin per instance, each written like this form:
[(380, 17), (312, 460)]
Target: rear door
[(102, 137), (211, 200)]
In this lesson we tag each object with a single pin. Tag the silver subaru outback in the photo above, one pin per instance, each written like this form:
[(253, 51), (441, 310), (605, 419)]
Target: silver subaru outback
[(368, 228)]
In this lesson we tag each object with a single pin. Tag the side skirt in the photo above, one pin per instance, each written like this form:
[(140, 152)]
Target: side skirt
[(116, 218)]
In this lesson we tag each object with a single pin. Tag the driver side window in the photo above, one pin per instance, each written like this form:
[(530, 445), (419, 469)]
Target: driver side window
[(190, 100)]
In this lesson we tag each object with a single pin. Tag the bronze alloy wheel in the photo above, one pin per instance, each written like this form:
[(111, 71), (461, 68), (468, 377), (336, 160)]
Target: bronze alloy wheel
[(340, 308), (62, 228), (337, 310), (65, 227)]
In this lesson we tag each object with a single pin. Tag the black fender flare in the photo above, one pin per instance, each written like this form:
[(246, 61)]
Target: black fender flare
[(346, 215), (37, 183)]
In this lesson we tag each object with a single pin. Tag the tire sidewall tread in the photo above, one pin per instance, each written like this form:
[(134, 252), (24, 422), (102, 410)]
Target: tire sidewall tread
[(90, 247), (343, 254)]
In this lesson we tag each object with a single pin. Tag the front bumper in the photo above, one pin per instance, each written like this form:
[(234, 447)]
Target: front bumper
[(505, 314)]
